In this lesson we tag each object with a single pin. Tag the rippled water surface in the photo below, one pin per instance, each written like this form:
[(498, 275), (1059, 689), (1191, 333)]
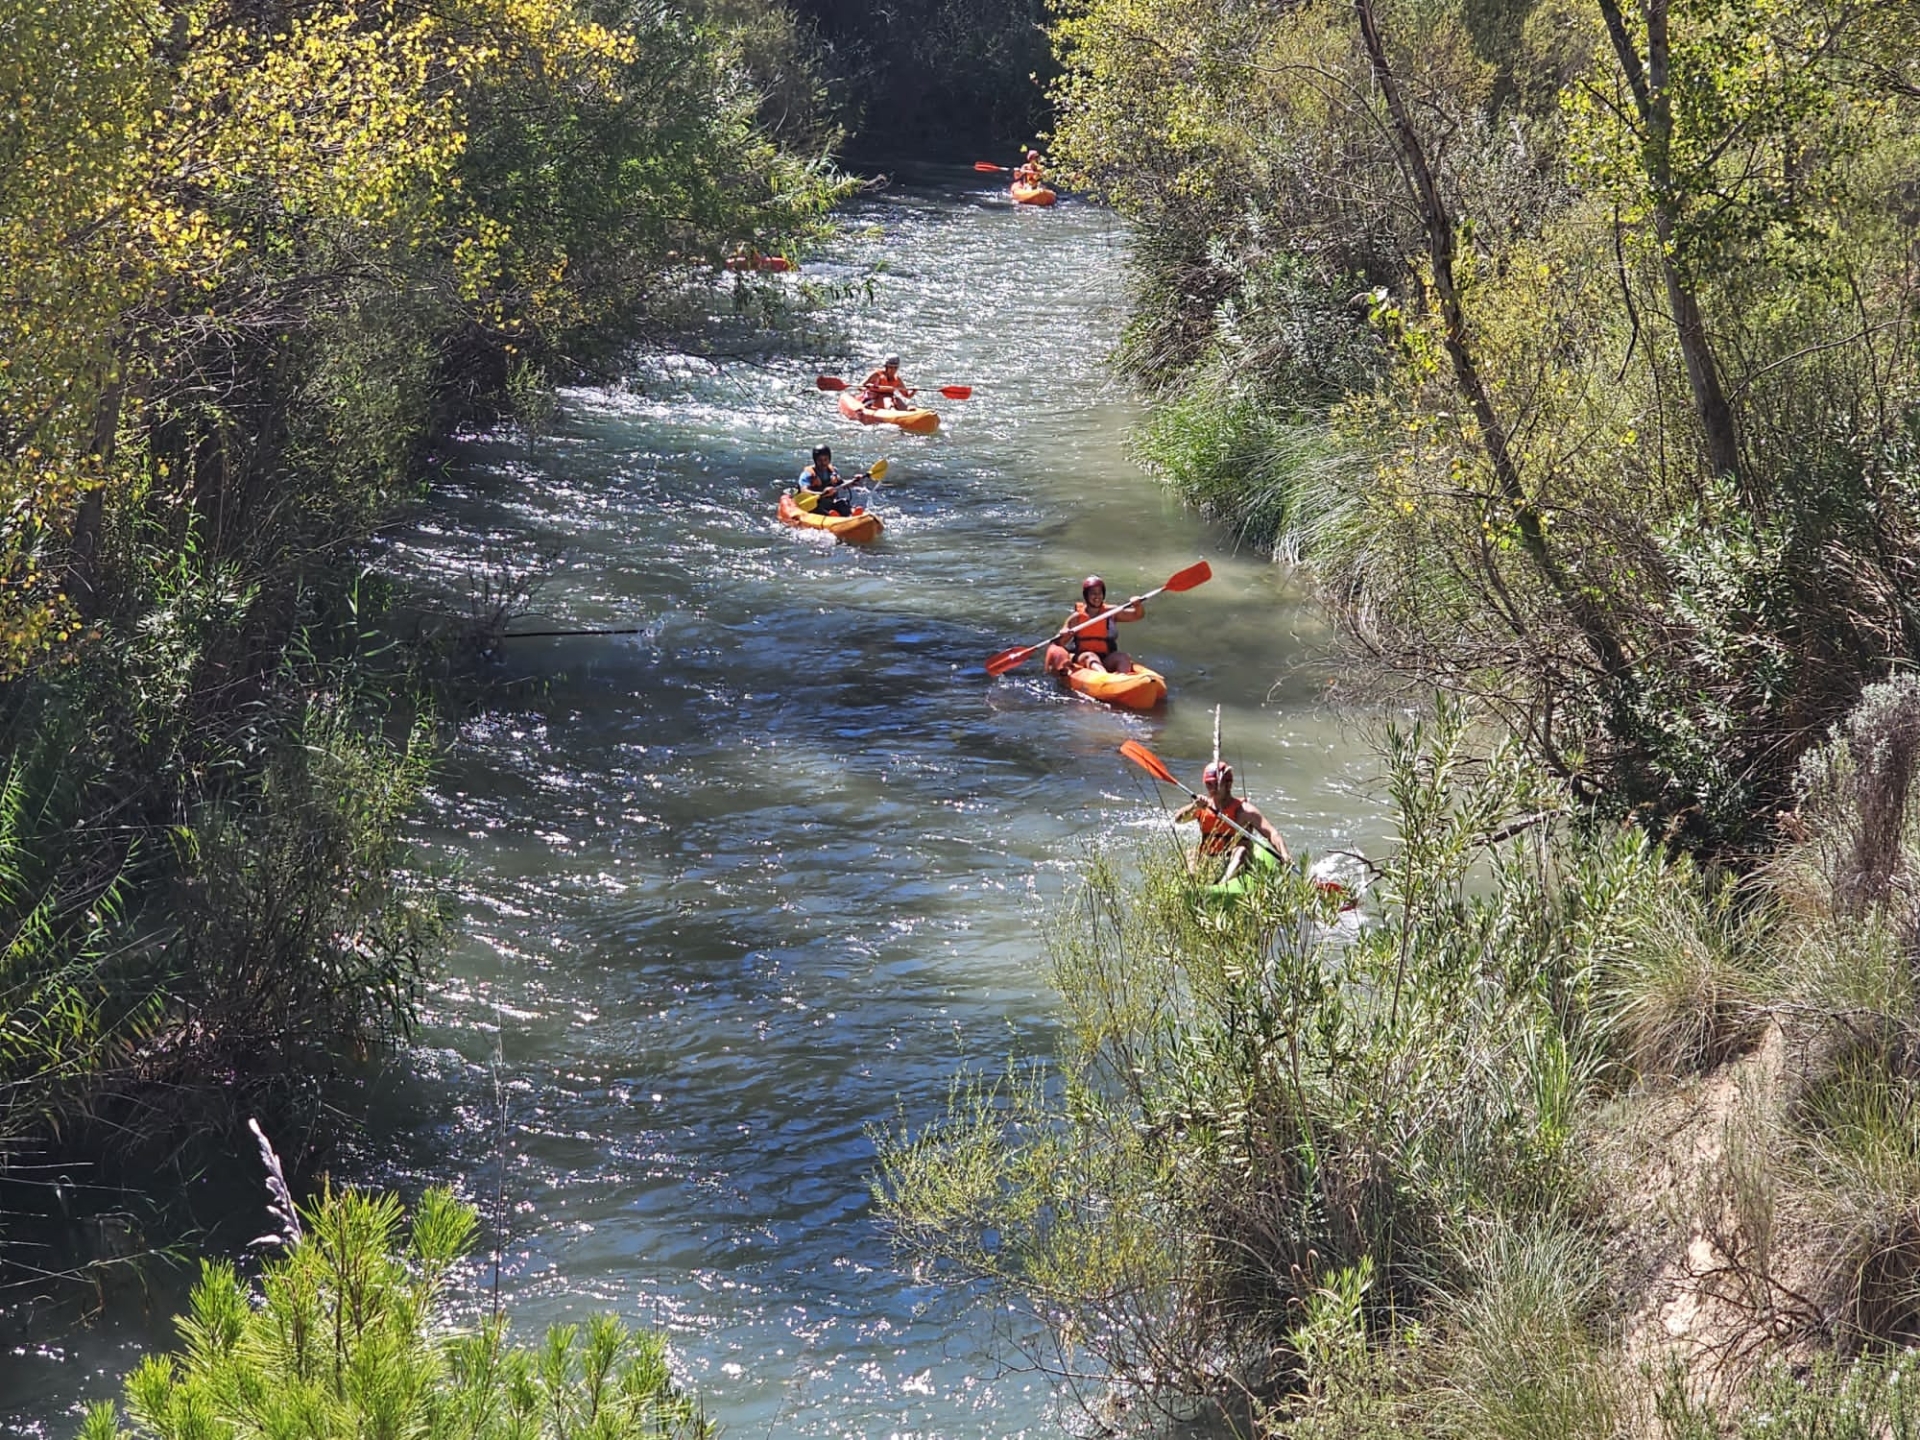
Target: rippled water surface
[(741, 886)]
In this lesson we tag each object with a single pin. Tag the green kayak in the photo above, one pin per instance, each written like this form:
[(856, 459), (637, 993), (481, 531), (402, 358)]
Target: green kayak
[(1263, 863)]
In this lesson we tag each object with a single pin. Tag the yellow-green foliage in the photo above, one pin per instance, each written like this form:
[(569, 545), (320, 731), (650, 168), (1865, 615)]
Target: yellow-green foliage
[(190, 193)]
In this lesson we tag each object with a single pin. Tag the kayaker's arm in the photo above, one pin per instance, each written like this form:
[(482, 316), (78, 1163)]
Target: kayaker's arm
[(1134, 609), (1251, 817)]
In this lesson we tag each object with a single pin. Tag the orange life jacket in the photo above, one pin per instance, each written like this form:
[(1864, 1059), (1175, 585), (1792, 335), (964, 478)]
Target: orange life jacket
[(1216, 836), (879, 383), (1097, 639)]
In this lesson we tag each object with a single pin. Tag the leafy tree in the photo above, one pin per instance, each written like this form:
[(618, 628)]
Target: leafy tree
[(1635, 468)]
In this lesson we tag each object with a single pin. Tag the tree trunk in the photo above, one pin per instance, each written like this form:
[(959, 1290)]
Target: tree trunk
[(1653, 102), (1607, 650)]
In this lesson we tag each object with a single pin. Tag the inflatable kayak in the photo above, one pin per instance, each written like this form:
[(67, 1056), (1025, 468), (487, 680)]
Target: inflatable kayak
[(1025, 194), (1138, 689), (855, 529), (914, 422)]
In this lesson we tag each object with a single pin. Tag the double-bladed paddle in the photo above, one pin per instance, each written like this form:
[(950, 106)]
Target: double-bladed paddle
[(834, 382), (809, 500), (1195, 574), (1156, 767)]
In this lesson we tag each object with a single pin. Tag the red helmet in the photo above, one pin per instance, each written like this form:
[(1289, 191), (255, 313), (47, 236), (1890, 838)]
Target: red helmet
[(1218, 772), (1088, 584)]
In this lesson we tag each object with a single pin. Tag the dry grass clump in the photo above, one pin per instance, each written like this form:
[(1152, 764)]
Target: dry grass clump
[(1688, 994), (1850, 992)]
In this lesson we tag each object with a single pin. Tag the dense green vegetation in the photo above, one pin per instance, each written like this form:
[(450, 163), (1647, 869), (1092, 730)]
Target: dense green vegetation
[(954, 80), (253, 258), (1571, 343), (1456, 1172)]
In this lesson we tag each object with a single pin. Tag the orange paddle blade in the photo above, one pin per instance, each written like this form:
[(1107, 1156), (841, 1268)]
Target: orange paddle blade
[(1191, 576), (1010, 659), (829, 382), (1148, 761), (957, 392), (987, 167)]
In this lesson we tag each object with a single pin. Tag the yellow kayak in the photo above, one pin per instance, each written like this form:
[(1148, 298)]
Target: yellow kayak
[(856, 529), (914, 422)]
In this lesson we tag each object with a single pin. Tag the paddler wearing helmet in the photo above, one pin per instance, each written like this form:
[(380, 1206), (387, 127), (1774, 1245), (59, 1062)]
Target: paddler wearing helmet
[(1097, 646), (1217, 836), (883, 389), (823, 480)]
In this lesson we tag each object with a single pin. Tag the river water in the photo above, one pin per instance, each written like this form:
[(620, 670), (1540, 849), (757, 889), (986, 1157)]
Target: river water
[(739, 887)]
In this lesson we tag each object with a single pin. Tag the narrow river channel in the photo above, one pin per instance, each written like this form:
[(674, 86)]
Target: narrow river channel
[(739, 887)]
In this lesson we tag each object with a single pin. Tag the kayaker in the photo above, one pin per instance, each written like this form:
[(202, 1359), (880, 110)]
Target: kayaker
[(1097, 645), (823, 480), (1217, 837), (884, 389), (1028, 171)]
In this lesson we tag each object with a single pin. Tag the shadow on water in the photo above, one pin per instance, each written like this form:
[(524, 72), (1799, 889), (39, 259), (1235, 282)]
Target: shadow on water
[(738, 888)]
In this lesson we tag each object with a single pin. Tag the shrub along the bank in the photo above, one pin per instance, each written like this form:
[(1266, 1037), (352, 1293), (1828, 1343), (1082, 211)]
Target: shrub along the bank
[(1382, 1181), (252, 259), (1268, 1137), (352, 1334)]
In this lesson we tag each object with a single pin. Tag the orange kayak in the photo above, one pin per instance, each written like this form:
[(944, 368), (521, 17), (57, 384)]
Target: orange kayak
[(776, 264), (856, 529), (1138, 689), (914, 422), (1025, 194)]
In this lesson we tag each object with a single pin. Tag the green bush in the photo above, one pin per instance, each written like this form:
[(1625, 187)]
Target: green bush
[(350, 1336), (1255, 1109)]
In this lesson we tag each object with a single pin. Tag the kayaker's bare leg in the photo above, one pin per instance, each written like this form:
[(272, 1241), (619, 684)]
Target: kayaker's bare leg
[(1234, 862), (1120, 663)]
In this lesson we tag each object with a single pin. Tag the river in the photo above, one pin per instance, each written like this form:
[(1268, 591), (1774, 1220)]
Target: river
[(739, 887)]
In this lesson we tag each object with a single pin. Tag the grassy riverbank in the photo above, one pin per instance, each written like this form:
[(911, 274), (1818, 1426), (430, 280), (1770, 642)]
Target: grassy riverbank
[(1570, 1138)]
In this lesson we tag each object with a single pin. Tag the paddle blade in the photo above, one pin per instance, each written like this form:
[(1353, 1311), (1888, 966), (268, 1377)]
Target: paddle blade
[(1010, 659), (987, 167), (1188, 578), (808, 500), (1334, 890), (829, 382), (957, 392), (1147, 761), (879, 470)]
